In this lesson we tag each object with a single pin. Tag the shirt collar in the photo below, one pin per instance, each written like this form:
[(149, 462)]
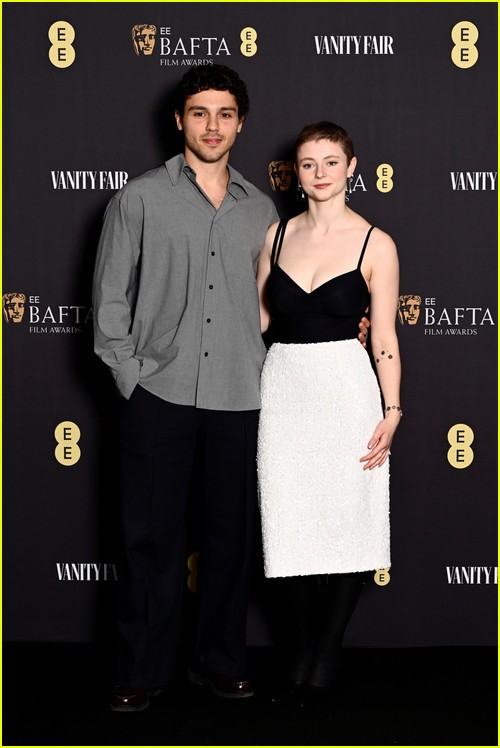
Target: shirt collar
[(178, 164)]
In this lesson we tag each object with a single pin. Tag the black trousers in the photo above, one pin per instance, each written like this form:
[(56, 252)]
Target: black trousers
[(159, 444)]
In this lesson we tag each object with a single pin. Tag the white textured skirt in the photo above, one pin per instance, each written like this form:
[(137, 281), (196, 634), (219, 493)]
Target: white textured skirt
[(321, 512)]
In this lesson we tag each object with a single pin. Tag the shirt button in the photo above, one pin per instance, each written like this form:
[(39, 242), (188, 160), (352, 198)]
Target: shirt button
[(209, 320), (213, 254), (210, 287), (206, 354)]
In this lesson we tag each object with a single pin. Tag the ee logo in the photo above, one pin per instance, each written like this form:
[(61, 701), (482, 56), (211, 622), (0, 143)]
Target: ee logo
[(67, 436), (192, 564), (248, 36), (62, 53), (384, 181), (382, 577), (460, 454), (465, 35)]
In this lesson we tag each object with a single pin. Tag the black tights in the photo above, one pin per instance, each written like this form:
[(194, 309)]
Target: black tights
[(321, 607)]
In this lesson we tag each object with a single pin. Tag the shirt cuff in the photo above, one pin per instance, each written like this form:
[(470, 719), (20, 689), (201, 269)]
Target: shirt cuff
[(128, 376)]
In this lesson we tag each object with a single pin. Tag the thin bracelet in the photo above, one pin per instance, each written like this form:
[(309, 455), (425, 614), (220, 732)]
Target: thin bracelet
[(394, 407)]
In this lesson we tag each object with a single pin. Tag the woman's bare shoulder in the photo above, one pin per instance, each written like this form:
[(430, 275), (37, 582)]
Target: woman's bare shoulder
[(382, 244), (271, 233)]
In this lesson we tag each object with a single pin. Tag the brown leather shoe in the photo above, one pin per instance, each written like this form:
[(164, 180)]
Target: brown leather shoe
[(228, 686), (130, 699)]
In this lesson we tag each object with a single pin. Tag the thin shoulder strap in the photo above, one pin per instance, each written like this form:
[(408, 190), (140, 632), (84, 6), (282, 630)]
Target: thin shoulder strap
[(364, 246), (278, 242)]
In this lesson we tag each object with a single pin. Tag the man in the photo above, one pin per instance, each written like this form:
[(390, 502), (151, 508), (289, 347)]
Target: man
[(177, 322)]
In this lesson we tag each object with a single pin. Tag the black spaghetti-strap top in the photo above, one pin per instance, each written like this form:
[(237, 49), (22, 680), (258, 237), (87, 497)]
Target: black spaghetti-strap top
[(331, 312)]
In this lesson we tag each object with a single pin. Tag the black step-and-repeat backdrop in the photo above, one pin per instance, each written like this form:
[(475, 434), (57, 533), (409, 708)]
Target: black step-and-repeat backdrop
[(87, 107)]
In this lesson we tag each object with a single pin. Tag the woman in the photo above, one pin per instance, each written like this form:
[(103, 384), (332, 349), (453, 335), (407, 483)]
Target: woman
[(323, 438)]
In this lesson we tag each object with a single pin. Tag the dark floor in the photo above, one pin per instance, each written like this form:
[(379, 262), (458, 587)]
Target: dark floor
[(56, 694)]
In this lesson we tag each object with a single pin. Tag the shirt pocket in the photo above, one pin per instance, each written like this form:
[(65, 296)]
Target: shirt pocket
[(240, 248)]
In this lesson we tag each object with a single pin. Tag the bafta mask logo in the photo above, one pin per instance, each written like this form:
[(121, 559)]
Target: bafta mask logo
[(13, 307), (144, 37), (409, 309), (280, 175)]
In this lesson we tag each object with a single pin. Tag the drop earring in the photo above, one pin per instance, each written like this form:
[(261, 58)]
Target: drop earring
[(348, 188), (301, 195)]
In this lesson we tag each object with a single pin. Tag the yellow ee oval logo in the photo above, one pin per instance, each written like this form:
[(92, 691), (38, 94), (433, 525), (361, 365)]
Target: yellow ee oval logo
[(460, 454), (248, 37), (464, 35), (382, 577), (62, 35), (67, 436), (384, 181)]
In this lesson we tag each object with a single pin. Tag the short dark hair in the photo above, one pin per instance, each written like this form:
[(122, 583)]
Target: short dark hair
[(326, 131), (214, 77)]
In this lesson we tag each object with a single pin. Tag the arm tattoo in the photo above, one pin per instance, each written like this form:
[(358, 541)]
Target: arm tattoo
[(384, 353)]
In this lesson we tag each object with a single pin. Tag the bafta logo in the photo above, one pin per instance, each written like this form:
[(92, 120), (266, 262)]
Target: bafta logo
[(280, 175), (144, 37), (409, 309), (13, 307)]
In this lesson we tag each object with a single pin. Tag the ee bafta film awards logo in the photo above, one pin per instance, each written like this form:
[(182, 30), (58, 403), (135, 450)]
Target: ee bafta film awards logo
[(13, 305), (19, 307), (409, 309), (143, 39), (441, 320)]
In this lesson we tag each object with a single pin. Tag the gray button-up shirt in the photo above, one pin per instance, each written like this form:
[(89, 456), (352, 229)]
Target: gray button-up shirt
[(175, 299)]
